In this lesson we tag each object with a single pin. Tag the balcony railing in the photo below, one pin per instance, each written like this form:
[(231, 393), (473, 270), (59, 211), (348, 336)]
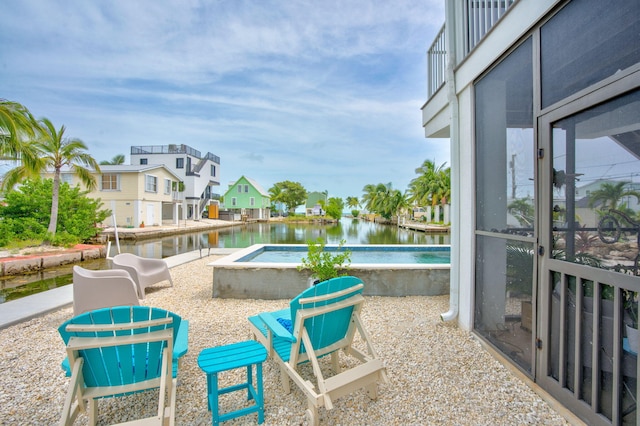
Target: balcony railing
[(173, 149), (437, 63), (480, 17)]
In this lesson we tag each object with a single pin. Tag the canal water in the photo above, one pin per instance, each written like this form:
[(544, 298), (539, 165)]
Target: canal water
[(352, 230)]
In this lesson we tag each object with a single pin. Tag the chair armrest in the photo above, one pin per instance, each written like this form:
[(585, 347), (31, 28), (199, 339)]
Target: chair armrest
[(181, 345), (276, 328)]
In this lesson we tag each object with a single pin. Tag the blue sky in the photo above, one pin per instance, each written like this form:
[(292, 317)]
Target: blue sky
[(325, 93)]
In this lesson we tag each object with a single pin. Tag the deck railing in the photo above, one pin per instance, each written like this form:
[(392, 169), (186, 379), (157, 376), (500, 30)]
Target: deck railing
[(437, 62), (480, 17), (174, 149)]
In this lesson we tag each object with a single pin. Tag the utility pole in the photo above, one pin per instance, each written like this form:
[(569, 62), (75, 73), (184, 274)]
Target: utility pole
[(512, 166)]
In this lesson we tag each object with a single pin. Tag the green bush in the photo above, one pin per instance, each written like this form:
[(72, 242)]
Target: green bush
[(27, 210), (323, 264)]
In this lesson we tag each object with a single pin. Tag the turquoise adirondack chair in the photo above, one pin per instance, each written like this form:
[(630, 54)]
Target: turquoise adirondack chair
[(322, 320), (116, 351)]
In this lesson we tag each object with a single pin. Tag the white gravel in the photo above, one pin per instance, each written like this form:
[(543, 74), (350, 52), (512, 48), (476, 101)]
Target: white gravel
[(438, 373)]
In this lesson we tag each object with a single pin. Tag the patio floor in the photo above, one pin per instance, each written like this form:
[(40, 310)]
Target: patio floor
[(438, 373)]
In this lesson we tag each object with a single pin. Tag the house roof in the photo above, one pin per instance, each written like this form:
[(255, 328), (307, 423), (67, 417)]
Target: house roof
[(126, 168), (253, 183)]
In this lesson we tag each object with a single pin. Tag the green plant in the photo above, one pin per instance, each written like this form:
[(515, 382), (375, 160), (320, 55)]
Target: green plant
[(325, 265)]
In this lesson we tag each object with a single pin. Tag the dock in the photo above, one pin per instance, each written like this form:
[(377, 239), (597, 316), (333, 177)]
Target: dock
[(425, 227)]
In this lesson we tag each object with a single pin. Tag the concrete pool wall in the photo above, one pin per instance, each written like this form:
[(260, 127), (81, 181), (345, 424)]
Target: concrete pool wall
[(254, 280)]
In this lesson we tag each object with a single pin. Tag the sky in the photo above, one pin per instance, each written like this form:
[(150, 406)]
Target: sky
[(324, 93)]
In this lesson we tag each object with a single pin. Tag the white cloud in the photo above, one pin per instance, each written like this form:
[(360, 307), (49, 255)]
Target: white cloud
[(325, 93)]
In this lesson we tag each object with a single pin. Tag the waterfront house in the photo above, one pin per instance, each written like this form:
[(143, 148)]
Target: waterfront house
[(537, 98), (134, 193), (247, 199), (315, 203), (199, 173)]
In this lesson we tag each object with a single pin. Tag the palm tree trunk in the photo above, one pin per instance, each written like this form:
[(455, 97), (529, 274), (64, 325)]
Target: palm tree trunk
[(53, 221)]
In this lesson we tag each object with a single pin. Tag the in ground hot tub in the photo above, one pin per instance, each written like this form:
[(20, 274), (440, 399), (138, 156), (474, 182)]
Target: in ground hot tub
[(269, 271)]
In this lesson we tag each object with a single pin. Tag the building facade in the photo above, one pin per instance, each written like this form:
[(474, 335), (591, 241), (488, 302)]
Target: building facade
[(199, 174), (247, 199), (136, 195), (538, 99), (315, 203)]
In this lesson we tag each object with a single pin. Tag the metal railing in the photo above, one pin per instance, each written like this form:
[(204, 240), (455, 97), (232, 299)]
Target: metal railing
[(174, 149), (437, 62), (481, 16)]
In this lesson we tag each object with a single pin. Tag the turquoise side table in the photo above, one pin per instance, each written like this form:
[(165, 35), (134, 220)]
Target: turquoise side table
[(221, 358)]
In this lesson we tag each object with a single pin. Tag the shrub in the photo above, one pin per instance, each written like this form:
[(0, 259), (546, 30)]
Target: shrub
[(323, 264)]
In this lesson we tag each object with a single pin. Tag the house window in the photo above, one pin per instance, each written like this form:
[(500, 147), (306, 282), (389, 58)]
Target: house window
[(66, 178), (143, 161), (234, 201), (151, 183), (252, 201), (246, 189), (213, 170), (109, 182), (179, 163), (239, 189), (167, 186)]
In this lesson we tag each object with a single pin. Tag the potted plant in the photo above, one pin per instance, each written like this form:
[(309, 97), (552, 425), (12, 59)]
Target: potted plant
[(325, 265)]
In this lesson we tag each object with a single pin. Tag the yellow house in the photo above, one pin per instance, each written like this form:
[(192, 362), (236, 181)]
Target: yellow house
[(138, 195)]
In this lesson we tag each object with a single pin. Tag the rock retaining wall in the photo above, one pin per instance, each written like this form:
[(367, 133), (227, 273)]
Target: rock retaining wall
[(38, 261)]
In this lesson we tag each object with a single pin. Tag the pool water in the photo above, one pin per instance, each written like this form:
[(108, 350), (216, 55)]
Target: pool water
[(359, 255)]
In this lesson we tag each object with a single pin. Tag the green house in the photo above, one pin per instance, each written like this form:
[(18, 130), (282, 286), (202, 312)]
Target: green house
[(315, 201), (248, 199)]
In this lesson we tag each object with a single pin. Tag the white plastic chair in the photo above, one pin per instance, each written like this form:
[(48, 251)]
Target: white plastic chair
[(102, 289), (145, 272)]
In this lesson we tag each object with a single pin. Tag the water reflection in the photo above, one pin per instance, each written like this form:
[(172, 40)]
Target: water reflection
[(352, 230)]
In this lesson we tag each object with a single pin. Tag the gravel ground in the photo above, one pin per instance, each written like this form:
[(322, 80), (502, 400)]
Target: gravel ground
[(438, 373)]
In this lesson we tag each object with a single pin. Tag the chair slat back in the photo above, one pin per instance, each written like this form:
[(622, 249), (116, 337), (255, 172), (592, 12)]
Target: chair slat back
[(120, 345), (326, 310)]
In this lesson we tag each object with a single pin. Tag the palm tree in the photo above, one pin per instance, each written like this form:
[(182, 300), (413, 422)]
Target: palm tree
[(117, 160), (610, 194), (17, 128), (373, 196), (55, 151), (433, 184), (353, 202)]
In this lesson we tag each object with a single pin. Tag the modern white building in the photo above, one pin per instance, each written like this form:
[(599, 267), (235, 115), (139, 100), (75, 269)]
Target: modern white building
[(538, 98), (199, 174)]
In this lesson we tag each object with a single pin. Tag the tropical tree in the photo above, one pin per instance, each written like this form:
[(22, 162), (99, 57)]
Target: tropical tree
[(117, 160), (353, 202), (291, 194), (383, 199), (523, 210), (610, 194), (432, 186), (17, 129), (334, 207), (55, 152), (26, 209)]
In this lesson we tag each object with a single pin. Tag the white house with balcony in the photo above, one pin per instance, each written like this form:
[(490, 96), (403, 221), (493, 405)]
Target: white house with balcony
[(199, 173), (537, 98)]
